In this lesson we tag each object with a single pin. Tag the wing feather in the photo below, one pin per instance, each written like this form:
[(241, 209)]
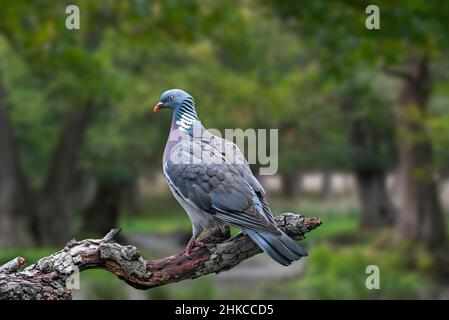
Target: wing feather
[(220, 183)]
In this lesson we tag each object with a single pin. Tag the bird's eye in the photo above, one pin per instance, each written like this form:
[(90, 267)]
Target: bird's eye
[(170, 98)]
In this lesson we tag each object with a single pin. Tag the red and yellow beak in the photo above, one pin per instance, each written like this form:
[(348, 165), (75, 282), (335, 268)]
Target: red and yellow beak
[(158, 107)]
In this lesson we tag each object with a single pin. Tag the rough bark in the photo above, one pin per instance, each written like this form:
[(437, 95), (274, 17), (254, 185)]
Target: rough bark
[(13, 192), (421, 216), (47, 278)]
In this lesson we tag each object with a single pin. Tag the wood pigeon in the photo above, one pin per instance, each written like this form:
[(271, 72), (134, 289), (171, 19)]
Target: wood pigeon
[(212, 181)]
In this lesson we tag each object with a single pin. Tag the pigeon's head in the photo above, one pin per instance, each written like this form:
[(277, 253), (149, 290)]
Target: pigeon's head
[(173, 99)]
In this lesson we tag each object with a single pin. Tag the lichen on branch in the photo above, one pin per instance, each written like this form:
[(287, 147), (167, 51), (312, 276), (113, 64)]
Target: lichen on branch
[(47, 278)]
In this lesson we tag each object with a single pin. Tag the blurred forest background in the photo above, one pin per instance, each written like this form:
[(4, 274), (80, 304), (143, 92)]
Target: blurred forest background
[(363, 119)]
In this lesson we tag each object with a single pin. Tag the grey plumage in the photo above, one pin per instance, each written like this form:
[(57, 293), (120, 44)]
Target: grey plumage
[(212, 181)]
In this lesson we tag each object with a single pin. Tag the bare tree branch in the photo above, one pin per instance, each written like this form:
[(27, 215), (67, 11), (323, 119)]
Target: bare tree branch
[(48, 278), (13, 266)]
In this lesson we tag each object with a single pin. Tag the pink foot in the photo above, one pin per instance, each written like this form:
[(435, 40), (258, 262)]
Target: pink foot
[(188, 250)]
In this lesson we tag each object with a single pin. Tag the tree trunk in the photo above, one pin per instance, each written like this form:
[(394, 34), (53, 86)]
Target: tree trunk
[(375, 204), (131, 196), (51, 207), (292, 184), (326, 184), (421, 216), (376, 207), (14, 223), (103, 214), (53, 203)]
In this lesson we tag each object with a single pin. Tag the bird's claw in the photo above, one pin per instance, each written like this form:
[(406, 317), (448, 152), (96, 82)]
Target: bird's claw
[(188, 250), (224, 230)]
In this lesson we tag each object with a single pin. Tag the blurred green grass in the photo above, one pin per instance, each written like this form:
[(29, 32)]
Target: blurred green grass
[(30, 254), (165, 219), (159, 224)]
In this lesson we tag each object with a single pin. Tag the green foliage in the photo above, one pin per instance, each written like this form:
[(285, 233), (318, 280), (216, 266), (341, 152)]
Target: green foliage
[(98, 283), (289, 65), (199, 289), (341, 273), (260, 68), (339, 28)]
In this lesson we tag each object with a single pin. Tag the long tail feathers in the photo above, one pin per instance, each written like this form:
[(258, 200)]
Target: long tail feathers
[(282, 248)]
